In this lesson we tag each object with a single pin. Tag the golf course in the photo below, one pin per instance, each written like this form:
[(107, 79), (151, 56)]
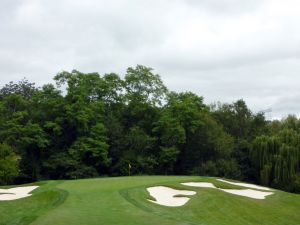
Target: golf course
[(125, 200), (150, 112)]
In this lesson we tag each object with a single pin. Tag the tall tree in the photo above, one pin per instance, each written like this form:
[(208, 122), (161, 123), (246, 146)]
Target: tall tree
[(8, 164)]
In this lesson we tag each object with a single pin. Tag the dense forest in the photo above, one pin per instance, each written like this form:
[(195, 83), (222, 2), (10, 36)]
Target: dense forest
[(90, 125)]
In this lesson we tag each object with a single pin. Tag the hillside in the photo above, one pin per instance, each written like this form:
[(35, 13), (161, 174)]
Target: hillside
[(123, 200)]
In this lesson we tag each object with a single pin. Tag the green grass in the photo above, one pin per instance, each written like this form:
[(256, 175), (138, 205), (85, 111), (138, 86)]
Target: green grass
[(122, 201)]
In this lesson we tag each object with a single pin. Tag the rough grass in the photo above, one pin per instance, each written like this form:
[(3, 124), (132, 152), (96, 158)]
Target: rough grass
[(122, 201)]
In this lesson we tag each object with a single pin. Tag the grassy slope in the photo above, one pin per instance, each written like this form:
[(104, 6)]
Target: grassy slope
[(24, 211), (116, 201)]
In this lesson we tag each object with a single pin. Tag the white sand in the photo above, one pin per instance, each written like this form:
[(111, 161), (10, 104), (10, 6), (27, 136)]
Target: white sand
[(246, 185), (199, 184), (16, 193), (248, 193), (167, 196)]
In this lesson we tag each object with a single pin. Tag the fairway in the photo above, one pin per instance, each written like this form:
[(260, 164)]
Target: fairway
[(123, 201)]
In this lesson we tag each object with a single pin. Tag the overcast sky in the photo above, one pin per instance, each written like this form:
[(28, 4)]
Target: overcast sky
[(223, 50)]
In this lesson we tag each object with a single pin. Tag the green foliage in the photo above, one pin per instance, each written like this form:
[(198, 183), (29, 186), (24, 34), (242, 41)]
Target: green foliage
[(277, 158), (236, 118), (23, 88), (90, 125), (221, 167), (142, 85), (92, 150), (8, 164), (229, 168), (207, 168), (167, 158), (265, 175)]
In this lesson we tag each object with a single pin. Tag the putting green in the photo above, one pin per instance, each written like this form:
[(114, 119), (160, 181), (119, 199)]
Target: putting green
[(123, 201)]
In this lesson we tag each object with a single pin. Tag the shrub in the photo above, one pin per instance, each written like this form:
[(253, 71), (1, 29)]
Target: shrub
[(8, 164)]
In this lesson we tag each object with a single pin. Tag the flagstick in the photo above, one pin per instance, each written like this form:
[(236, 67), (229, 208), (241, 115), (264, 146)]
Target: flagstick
[(129, 167)]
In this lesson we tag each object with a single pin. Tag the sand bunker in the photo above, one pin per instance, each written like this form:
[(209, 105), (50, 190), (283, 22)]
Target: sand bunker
[(16, 193), (246, 185), (167, 196), (199, 184), (246, 192)]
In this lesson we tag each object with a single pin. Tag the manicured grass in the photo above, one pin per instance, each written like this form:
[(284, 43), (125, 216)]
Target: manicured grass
[(24, 211), (122, 201)]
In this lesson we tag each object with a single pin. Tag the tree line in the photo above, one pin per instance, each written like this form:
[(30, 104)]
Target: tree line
[(90, 125)]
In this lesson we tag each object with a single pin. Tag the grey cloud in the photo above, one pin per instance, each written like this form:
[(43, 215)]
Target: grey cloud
[(223, 50), (227, 6)]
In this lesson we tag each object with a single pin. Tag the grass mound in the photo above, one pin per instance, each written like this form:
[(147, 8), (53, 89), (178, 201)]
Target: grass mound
[(122, 200), (24, 211)]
